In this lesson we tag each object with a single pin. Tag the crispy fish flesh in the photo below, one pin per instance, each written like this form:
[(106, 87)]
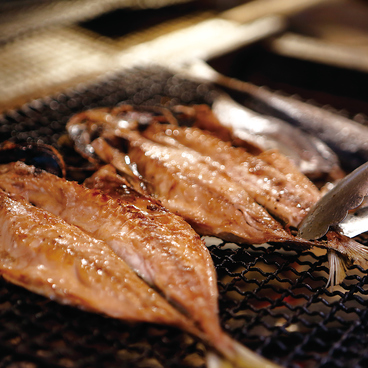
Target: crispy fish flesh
[(183, 272), (44, 254)]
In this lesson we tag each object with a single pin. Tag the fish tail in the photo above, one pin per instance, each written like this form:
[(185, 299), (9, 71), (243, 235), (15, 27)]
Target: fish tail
[(338, 265), (239, 357)]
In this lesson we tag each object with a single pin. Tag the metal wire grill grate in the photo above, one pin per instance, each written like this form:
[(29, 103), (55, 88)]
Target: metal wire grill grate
[(272, 298)]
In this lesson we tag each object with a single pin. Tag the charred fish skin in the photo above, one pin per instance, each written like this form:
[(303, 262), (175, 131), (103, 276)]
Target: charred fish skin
[(84, 127), (44, 254), (82, 139), (169, 256)]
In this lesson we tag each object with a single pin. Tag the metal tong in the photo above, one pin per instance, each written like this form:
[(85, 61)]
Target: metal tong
[(336, 208)]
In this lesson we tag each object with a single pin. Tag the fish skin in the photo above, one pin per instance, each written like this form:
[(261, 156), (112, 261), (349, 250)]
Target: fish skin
[(44, 254), (163, 249), (41, 155), (312, 156), (347, 138), (82, 140), (286, 194)]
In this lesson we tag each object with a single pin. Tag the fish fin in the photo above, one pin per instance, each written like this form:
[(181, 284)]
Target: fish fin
[(338, 265), (342, 253), (241, 357), (358, 253)]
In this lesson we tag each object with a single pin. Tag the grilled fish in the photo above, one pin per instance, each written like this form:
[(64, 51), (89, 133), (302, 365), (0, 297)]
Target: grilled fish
[(347, 138), (191, 153), (159, 246), (272, 187), (201, 180), (212, 203), (41, 252)]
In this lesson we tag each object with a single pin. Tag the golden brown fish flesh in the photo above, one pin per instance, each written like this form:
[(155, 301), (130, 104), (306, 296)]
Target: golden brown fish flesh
[(206, 197), (41, 252), (286, 195), (166, 252), (159, 246)]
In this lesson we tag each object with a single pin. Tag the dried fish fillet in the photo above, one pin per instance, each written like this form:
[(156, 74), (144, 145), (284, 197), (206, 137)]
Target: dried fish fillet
[(183, 271), (152, 251), (211, 202), (44, 254), (272, 181), (201, 180), (288, 195)]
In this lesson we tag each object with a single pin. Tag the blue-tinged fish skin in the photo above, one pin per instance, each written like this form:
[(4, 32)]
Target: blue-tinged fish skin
[(40, 155)]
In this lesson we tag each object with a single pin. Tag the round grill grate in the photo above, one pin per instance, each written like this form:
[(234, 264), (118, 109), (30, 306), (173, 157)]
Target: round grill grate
[(272, 298)]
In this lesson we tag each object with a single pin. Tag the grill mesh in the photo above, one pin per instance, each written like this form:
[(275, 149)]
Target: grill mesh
[(272, 298)]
